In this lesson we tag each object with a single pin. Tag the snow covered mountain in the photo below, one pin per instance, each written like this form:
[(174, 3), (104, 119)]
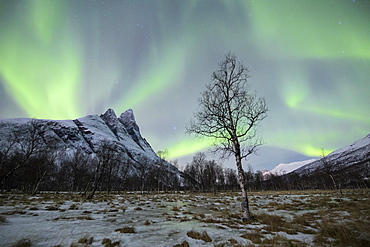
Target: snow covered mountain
[(347, 167), (343, 158), (357, 152), (283, 168), (88, 133)]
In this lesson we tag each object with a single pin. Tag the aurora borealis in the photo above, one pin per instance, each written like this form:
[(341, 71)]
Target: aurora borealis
[(309, 59)]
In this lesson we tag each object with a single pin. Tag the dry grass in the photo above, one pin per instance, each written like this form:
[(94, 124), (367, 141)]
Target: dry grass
[(183, 244), (274, 223), (234, 242), (317, 214), (196, 235), (23, 243), (301, 223), (73, 207), (329, 221), (255, 237), (86, 240), (52, 208), (355, 233), (88, 217), (126, 229), (83, 241), (280, 240), (302, 220), (108, 243)]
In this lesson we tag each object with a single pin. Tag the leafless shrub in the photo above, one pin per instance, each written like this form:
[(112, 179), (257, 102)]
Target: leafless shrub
[(255, 237)]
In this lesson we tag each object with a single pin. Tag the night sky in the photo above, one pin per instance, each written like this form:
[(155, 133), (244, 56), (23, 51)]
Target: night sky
[(310, 60)]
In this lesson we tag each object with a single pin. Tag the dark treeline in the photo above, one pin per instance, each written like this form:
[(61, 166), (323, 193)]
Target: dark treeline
[(208, 176), (204, 175), (324, 177), (30, 163), (109, 169)]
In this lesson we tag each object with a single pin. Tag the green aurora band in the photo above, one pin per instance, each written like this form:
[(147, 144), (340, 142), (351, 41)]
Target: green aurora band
[(312, 42), (48, 71), (41, 74)]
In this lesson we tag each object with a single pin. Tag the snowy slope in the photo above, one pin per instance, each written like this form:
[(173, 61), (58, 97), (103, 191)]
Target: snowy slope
[(355, 153), (282, 168)]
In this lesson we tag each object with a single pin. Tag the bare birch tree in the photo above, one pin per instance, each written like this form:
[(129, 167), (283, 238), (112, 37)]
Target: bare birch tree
[(229, 114)]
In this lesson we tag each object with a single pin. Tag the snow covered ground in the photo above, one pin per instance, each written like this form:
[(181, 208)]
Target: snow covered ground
[(132, 219)]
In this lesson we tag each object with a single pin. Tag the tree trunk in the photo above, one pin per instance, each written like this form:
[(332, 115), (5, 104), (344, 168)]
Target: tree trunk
[(335, 187), (36, 187), (142, 185), (241, 178)]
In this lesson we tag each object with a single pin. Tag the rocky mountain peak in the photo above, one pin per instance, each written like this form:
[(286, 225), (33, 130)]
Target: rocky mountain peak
[(86, 134), (109, 114), (128, 120), (110, 118)]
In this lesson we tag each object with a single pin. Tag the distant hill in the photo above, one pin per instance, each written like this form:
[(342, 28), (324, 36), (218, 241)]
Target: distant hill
[(354, 154), (348, 167), (283, 168)]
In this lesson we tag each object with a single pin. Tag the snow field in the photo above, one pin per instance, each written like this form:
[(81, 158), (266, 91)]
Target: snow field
[(304, 218)]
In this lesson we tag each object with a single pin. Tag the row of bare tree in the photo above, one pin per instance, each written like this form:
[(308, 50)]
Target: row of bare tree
[(29, 162), (326, 177), (207, 176)]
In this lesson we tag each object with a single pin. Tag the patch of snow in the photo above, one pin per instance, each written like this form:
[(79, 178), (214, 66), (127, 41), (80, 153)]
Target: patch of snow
[(156, 223)]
